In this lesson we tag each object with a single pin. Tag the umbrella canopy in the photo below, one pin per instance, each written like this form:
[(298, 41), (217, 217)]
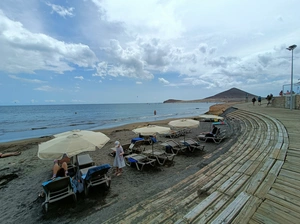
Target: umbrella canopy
[(151, 130), (211, 116), (72, 143), (184, 123)]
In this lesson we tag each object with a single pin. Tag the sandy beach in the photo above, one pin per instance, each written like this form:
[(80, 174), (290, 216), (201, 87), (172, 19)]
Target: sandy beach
[(21, 177)]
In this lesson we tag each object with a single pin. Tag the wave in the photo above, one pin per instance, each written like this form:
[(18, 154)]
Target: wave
[(87, 123), (38, 128)]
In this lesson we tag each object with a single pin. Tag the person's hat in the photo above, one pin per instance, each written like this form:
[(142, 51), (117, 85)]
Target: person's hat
[(117, 143)]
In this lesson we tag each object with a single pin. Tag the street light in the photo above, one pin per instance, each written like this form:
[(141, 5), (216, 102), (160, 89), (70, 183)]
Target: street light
[(291, 48)]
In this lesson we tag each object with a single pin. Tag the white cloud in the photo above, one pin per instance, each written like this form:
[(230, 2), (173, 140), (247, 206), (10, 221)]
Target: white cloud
[(26, 52), (149, 18), (79, 77), (138, 83), (26, 80), (125, 62), (50, 101), (45, 88), (77, 101), (162, 80), (60, 10)]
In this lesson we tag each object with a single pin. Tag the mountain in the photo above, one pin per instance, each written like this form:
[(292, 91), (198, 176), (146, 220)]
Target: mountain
[(231, 95)]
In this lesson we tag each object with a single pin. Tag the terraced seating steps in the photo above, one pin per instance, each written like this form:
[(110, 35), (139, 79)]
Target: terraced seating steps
[(229, 189)]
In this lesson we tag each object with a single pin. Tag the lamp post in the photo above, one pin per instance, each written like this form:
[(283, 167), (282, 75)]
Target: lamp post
[(291, 48)]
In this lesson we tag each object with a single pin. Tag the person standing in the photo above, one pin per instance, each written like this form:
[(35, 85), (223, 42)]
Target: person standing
[(253, 100), (259, 100), (119, 162)]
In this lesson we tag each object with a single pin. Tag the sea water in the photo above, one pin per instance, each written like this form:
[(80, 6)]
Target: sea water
[(23, 122)]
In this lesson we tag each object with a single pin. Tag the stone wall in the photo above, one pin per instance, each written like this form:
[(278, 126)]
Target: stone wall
[(283, 102)]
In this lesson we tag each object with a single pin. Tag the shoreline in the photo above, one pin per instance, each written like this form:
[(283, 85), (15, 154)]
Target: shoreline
[(10, 146)]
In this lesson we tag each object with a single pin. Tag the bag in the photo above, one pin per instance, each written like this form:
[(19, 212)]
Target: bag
[(79, 185)]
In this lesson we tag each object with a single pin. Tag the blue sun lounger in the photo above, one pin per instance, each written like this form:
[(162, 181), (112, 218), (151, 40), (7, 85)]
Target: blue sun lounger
[(94, 176), (57, 189)]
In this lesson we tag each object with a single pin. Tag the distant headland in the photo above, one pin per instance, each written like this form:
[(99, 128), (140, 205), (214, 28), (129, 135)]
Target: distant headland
[(231, 95)]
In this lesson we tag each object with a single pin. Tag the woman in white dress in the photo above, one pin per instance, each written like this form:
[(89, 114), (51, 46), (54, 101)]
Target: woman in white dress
[(119, 162)]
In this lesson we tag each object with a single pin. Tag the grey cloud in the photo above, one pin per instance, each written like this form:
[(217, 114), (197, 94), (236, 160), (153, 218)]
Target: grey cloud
[(203, 48), (193, 70), (126, 62), (222, 61), (155, 53), (280, 19), (265, 59), (212, 50)]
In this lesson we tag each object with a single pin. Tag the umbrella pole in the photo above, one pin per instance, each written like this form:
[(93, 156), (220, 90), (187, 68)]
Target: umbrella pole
[(152, 148), (77, 169)]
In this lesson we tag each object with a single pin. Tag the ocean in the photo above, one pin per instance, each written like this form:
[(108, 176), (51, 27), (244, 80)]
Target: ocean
[(24, 122)]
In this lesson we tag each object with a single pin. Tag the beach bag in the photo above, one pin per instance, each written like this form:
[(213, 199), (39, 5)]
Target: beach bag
[(80, 186)]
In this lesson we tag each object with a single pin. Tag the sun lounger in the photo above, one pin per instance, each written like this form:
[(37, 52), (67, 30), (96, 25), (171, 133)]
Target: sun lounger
[(193, 145), (58, 189), (174, 146), (161, 156), (138, 146), (94, 176), (139, 160), (217, 138), (84, 161), (172, 134)]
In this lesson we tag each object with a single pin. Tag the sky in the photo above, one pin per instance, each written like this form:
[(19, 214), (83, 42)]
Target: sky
[(133, 51)]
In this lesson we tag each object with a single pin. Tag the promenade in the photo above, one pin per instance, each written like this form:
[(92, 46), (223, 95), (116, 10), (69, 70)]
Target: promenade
[(256, 181), (289, 118)]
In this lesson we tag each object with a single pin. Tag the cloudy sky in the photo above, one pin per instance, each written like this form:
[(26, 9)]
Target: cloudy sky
[(133, 51)]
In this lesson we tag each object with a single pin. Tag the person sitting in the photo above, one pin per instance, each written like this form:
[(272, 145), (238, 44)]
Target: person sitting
[(64, 158), (212, 133), (59, 171), (60, 167)]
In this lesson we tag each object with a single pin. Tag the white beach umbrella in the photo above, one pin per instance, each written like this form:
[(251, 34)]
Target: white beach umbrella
[(211, 116), (72, 143), (184, 123), (151, 130)]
